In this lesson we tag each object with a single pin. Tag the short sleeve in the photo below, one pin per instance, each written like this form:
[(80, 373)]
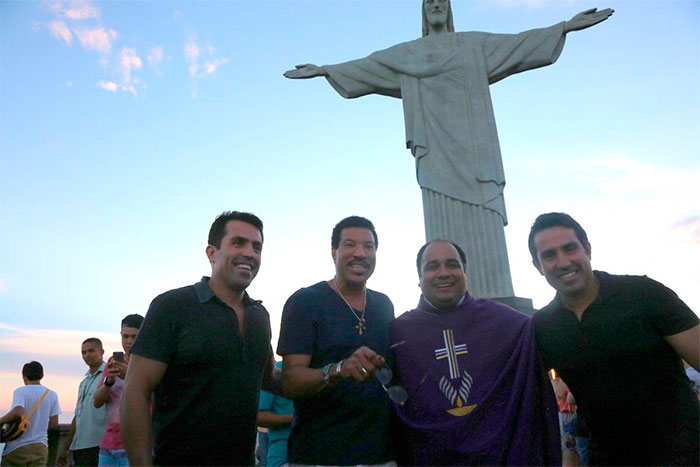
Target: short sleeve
[(55, 407), (298, 328), (18, 399), (157, 336), (266, 401), (667, 313)]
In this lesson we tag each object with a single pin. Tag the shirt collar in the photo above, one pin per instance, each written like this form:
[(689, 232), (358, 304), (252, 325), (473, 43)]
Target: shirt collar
[(441, 310), (99, 370), (604, 290), (204, 293)]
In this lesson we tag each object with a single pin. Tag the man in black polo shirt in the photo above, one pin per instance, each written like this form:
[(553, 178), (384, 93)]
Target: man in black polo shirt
[(334, 335), (618, 341), (203, 350)]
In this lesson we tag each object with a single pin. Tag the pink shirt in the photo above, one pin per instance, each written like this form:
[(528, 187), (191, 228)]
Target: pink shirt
[(112, 438)]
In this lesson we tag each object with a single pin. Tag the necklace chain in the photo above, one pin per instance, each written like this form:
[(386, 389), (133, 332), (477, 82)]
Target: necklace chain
[(361, 318)]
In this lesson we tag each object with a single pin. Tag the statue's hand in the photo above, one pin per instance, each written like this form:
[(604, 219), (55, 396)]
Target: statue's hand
[(587, 18), (308, 70)]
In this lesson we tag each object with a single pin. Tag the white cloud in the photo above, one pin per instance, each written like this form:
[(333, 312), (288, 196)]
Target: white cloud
[(192, 52), (200, 61), (156, 55), (210, 67), (129, 61), (108, 85), (61, 31), (82, 10), (74, 9), (688, 228), (98, 39)]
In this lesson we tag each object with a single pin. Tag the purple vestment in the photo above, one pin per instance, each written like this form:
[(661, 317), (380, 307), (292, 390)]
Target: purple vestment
[(477, 391)]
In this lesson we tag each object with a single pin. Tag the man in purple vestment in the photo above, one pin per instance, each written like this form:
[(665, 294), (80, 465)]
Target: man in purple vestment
[(477, 391)]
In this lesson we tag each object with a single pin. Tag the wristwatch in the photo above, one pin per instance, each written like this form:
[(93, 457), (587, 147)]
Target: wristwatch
[(326, 372), (108, 384)]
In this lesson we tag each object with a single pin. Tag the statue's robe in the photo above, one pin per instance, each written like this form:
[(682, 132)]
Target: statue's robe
[(443, 81)]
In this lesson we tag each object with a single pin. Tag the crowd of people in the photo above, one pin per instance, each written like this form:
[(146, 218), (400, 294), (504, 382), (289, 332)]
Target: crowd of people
[(459, 380)]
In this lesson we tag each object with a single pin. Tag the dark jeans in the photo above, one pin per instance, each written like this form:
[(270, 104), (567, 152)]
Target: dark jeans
[(87, 457)]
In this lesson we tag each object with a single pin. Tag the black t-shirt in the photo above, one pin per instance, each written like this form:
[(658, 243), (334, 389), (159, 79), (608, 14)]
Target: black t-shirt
[(347, 423), (205, 406), (628, 382)]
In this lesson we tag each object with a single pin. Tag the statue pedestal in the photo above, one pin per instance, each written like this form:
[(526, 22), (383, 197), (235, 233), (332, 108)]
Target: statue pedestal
[(523, 305)]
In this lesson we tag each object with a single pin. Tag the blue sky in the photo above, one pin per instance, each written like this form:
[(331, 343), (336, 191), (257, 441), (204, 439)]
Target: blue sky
[(127, 126)]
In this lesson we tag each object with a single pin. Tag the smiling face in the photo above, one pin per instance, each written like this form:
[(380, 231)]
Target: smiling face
[(237, 261), (564, 262), (443, 280), (355, 256)]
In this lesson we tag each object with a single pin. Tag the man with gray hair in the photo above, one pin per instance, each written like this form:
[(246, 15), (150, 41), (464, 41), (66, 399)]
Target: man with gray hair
[(333, 337)]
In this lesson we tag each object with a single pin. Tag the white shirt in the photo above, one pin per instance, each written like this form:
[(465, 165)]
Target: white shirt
[(38, 426)]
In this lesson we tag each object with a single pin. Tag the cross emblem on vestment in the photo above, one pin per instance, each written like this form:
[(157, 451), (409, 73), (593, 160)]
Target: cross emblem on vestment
[(450, 352)]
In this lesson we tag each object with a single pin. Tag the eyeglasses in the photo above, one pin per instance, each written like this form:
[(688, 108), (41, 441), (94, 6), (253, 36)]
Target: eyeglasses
[(397, 394)]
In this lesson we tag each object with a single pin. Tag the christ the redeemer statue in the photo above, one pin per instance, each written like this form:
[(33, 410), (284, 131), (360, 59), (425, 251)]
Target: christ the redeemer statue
[(443, 79)]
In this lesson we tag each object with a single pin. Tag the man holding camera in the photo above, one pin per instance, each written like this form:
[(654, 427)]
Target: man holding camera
[(109, 394)]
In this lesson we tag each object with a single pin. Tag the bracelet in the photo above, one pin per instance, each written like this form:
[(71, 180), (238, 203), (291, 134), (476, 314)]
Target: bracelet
[(338, 366), (326, 372), (108, 384)]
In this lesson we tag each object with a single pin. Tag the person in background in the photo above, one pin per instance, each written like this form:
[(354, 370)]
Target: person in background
[(40, 405), (109, 392), (567, 422), (275, 413), (88, 423)]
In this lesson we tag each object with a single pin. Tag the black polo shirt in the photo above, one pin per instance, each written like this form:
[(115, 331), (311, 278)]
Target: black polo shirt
[(205, 406), (628, 382)]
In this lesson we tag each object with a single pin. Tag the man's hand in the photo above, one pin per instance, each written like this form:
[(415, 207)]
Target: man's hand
[(308, 70), (62, 459), (116, 369), (63, 454), (299, 381), (587, 18), (362, 364)]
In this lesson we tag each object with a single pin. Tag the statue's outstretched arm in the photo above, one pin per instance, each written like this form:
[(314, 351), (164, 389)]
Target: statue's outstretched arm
[(308, 70), (587, 18)]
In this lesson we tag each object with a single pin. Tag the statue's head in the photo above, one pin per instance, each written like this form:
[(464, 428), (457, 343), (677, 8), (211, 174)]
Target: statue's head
[(437, 13)]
